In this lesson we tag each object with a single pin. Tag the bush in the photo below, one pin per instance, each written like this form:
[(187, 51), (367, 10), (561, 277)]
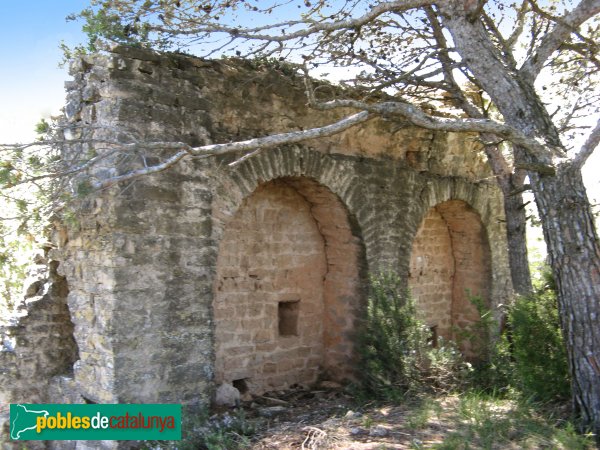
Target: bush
[(530, 358), (397, 357), (540, 368), (395, 349)]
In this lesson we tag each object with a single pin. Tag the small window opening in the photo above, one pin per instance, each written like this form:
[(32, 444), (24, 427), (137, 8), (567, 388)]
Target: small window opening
[(241, 385), (288, 318)]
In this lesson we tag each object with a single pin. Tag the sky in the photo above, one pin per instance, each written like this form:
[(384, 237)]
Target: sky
[(32, 84)]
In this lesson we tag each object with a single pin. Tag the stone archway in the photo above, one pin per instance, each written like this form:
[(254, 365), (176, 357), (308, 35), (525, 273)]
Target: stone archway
[(450, 263), (287, 288)]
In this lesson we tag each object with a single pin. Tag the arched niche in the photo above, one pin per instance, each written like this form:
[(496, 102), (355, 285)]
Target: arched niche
[(287, 288), (450, 265)]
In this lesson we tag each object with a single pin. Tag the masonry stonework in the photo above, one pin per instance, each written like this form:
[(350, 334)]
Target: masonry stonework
[(431, 277), (209, 273), (287, 289), (38, 349), (450, 267)]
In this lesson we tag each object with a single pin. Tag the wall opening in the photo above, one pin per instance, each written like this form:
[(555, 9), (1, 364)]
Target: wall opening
[(287, 288), (450, 265), (241, 385), (287, 313)]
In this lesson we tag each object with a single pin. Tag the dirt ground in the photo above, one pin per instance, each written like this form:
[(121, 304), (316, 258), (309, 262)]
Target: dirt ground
[(329, 419)]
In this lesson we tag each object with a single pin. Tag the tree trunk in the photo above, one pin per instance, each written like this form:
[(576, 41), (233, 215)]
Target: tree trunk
[(511, 185), (575, 258), (516, 227), (516, 231), (562, 202)]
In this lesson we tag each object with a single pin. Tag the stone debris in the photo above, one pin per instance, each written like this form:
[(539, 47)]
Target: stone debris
[(227, 395), (272, 411), (379, 432), (330, 385), (274, 401), (353, 415)]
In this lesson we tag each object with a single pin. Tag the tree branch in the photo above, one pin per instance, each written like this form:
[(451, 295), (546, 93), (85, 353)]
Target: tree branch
[(232, 147), (541, 150), (588, 148), (552, 41), (519, 26), (315, 27)]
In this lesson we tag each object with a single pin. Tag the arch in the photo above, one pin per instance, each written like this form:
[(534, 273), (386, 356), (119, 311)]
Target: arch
[(450, 263), (287, 288)]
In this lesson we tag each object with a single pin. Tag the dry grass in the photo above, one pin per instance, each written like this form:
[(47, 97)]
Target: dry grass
[(470, 421)]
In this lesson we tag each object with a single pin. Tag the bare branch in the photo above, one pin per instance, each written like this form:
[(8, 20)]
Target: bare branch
[(73, 171), (232, 147), (583, 50), (588, 148), (506, 49), (539, 149), (552, 41), (474, 15), (315, 26), (519, 26), (141, 172)]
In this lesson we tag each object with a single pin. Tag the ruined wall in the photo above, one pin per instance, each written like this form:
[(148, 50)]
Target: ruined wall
[(146, 260), (37, 347)]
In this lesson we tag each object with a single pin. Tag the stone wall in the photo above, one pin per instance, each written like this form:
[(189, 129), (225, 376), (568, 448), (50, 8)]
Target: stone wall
[(450, 266), (287, 289), (431, 276), (37, 346), (166, 291), (269, 296)]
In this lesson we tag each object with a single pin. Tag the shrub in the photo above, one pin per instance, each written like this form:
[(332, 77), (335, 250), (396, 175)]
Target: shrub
[(540, 367), (529, 359), (397, 357)]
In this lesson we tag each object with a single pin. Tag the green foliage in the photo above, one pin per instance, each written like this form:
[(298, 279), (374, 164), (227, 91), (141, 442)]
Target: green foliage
[(13, 257), (71, 53), (397, 358), (102, 24), (486, 422), (392, 344), (422, 412), (529, 360), (477, 334), (42, 127), (26, 195), (84, 188), (396, 354), (540, 361)]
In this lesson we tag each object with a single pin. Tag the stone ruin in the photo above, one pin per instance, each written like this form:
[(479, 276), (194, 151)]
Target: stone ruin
[(254, 275)]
